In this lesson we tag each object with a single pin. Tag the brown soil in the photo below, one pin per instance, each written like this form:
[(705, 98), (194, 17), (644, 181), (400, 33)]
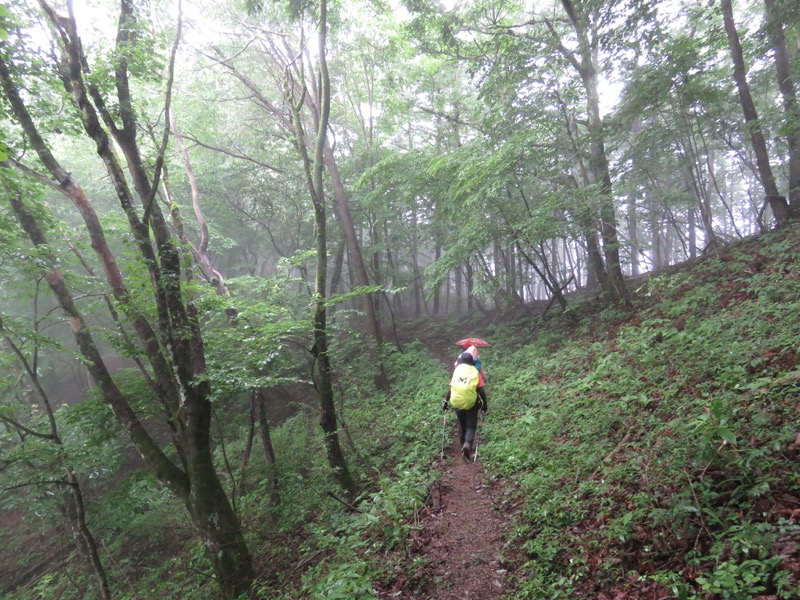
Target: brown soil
[(461, 536), (466, 534)]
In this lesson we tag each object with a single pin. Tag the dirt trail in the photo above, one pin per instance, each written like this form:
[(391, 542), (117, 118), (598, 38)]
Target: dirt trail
[(462, 535), (465, 544)]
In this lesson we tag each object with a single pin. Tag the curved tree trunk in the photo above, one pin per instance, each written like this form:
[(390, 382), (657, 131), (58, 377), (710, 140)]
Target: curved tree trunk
[(200, 251), (198, 487), (174, 346), (74, 506)]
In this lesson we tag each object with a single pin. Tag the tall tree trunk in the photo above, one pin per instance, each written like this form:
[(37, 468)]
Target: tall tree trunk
[(615, 283), (313, 171), (633, 234), (513, 269), (790, 105), (459, 291), (358, 266), (657, 236), (269, 451), (437, 254), (470, 286), (777, 203), (338, 263), (248, 445), (341, 204), (595, 268), (375, 241), (633, 217), (415, 271), (499, 274), (691, 178)]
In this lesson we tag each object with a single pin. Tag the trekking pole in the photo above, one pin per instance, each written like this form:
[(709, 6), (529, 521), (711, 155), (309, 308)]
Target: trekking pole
[(477, 429), (444, 424)]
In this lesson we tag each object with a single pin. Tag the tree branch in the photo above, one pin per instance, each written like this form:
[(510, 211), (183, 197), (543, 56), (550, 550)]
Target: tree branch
[(21, 427), (234, 154)]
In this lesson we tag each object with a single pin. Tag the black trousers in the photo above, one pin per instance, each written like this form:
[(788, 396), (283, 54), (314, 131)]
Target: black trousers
[(468, 423)]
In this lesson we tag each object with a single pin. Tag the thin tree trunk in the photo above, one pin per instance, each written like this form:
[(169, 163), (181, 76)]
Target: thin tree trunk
[(459, 292), (269, 451), (790, 105), (633, 235), (248, 445), (336, 278), (546, 277), (341, 205), (76, 509), (314, 171), (74, 505), (358, 266), (777, 203), (437, 254), (470, 286), (375, 240), (633, 217)]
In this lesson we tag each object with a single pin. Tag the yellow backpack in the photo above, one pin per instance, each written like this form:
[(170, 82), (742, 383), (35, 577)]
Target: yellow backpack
[(464, 386)]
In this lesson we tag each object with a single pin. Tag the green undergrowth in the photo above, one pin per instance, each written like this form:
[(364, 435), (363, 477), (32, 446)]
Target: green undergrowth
[(342, 553), (315, 542), (656, 446)]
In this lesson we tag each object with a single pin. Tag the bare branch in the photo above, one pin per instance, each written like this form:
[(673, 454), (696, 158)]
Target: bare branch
[(234, 154)]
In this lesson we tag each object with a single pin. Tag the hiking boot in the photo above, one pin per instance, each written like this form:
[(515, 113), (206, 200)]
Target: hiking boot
[(466, 451)]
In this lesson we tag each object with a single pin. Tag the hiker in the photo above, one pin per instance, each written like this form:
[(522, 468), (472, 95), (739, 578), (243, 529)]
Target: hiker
[(478, 365), (467, 396), (473, 350)]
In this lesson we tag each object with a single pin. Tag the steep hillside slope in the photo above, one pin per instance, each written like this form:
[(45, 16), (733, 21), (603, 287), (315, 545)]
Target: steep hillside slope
[(656, 445)]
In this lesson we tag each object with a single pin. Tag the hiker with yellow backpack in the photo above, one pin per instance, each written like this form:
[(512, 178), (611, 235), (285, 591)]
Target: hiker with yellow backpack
[(467, 396)]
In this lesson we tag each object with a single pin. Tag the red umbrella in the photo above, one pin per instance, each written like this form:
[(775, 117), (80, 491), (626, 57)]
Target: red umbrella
[(473, 341)]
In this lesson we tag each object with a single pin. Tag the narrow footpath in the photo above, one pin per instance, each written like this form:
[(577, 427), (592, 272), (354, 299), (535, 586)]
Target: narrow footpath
[(461, 533), (466, 533)]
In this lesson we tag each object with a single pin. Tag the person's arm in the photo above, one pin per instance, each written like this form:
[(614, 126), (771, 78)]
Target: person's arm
[(446, 403), (484, 401)]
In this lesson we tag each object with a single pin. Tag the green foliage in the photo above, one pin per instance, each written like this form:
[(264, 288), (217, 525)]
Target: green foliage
[(342, 582), (255, 353), (354, 544), (669, 429), (648, 428)]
